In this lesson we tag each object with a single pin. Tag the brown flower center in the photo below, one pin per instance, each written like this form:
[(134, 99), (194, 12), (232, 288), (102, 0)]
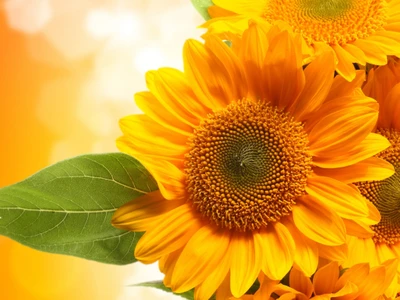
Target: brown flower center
[(330, 21), (246, 165), (385, 194)]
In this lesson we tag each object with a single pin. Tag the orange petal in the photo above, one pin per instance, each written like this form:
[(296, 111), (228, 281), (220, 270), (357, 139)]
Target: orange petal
[(208, 287), (200, 257), (343, 88), (372, 168), (344, 200), (373, 144), (245, 264), (283, 74), (341, 130), (318, 223), (390, 111), (227, 70), (209, 78), (172, 232), (318, 81), (149, 104), (141, 213), (306, 254), (277, 250), (172, 86), (300, 282), (252, 53), (358, 229), (333, 253), (355, 274), (325, 278)]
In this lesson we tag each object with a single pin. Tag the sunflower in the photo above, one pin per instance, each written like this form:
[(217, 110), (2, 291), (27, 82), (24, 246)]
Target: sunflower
[(384, 241), (331, 281), (358, 31), (248, 150)]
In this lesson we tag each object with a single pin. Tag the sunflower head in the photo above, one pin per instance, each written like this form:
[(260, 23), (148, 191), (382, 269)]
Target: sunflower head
[(384, 84), (358, 31), (253, 155)]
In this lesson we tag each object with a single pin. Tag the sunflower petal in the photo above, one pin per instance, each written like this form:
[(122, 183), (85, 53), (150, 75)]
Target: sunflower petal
[(245, 265), (172, 232), (140, 213), (318, 81), (344, 200), (278, 248), (318, 223), (373, 144), (325, 278), (372, 168), (283, 75), (201, 255), (306, 254)]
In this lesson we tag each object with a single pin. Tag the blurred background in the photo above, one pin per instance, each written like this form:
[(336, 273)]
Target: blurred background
[(68, 71)]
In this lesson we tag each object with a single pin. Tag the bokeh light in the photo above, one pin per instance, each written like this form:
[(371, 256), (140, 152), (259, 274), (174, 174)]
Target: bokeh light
[(68, 73)]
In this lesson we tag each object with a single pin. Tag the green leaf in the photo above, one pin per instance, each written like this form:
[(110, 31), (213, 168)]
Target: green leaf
[(67, 208), (202, 7)]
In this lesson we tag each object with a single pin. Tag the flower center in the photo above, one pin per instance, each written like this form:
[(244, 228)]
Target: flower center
[(385, 194), (330, 21), (246, 165)]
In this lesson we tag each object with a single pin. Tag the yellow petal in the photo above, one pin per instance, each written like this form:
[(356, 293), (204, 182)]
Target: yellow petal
[(373, 144), (149, 104), (244, 7), (200, 257), (141, 213), (306, 254), (208, 287), (277, 246), (333, 253), (172, 232), (372, 168), (318, 223), (340, 130), (344, 200), (172, 86), (345, 65), (245, 265)]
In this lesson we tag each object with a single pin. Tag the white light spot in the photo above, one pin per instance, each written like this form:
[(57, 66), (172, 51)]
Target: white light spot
[(149, 58), (29, 16)]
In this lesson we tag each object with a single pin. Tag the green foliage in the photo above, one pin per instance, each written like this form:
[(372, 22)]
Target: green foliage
[(202, 7), (67, 207)]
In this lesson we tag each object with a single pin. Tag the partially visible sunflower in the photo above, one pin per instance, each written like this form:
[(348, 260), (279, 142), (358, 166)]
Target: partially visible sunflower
[(383, 243), (331, 281), (358, 31), (237, 143)]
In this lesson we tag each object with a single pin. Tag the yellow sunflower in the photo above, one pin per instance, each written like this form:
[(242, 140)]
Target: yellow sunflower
[(331, 281), (384, 240), (237, 144), (358, 31)]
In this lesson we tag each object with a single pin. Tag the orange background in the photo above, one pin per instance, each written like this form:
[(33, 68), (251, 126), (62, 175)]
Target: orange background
[(39, 125), (25, 148)]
